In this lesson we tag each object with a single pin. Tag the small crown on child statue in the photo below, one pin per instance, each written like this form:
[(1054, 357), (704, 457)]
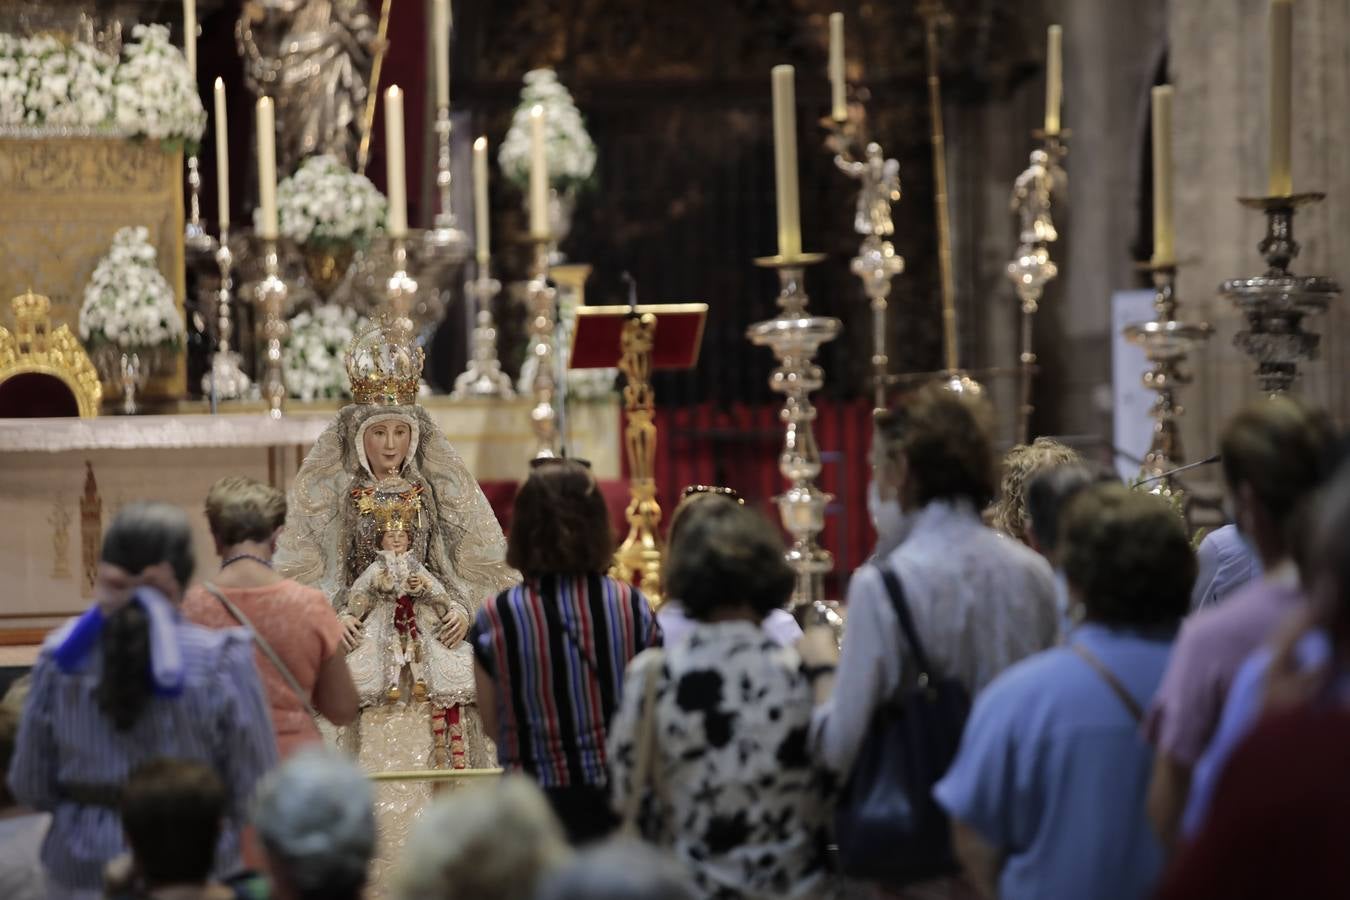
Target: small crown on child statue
[(396, 514), (384, 365)]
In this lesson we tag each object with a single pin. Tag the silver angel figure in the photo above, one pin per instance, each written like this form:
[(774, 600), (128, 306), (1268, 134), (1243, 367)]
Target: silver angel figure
[(880, 188), (1031, 200), (313, 57)]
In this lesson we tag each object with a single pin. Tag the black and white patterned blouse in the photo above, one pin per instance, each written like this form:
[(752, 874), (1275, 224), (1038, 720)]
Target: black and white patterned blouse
[(736, 795)]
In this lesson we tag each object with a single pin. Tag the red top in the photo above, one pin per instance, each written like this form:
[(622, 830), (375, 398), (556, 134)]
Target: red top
[(302, 628)]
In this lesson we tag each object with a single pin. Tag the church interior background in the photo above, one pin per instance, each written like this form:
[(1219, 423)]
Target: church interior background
[(675, 98)]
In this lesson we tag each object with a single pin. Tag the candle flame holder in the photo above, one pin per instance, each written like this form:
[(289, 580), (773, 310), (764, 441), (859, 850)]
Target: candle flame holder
[(484, 376), (544, 387), (225, 380), (271, 299), (1276, 302), (1167, 342), (795, 336)]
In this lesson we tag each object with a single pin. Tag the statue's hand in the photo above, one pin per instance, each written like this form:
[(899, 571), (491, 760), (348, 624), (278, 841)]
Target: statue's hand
[(415, 584), (454, 626), (351, 632)]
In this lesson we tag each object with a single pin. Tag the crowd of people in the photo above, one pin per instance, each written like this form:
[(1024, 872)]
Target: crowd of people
[(1042, 691)]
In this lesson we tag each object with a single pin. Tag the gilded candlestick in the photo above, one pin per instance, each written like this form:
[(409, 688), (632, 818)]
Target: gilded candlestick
[(271, 298), (544, 386)]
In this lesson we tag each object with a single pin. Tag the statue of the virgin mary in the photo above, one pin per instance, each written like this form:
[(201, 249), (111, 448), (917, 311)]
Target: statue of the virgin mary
[(384, 450)]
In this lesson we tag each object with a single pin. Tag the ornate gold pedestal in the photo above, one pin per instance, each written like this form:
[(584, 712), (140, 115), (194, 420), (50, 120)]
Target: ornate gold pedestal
[(639, 557)]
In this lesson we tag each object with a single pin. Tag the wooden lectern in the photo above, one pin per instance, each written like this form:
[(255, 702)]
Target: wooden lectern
[(643, 338)]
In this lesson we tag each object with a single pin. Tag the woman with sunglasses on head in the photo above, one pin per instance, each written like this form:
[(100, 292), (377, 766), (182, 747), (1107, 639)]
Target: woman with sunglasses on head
[(696, 503), (550, 652)]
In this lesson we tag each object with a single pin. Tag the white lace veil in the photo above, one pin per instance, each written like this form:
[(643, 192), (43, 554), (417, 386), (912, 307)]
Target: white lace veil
[(466, 550)]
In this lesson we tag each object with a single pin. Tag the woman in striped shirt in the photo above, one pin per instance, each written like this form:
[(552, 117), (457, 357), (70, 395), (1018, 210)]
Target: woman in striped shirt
[(550, 653)]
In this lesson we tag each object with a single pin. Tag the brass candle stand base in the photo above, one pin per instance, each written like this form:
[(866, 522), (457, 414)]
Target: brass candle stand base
[(1276, 303), (1167, 342), (795, 336), (225, 380), (271, 299), (484, 376), (544, 387), (639, 556)]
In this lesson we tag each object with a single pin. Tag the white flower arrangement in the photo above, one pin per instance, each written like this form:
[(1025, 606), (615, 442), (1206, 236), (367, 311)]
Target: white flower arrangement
[(325, 202), (568, 148), (127, 302), (155, 95), (149, 93), (313, 357)]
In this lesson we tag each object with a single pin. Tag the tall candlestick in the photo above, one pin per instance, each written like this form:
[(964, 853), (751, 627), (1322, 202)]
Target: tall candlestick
[(440, 23), (267, 168), (190, 36), (1281, 181), (1164, 246), (482, 236), (222, 157), (838, 102), (395, 182), (538, 175), (1054, 78), (785, 161)]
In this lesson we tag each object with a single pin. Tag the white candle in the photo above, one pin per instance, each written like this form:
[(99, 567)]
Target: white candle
[(190, 35), (785, 161), (480, 203), (395, 183), (1164, 243), (838, 102), (440, 23), (1281, 178), (538, 175), (1054, 78), (222, 158), (267, 168)]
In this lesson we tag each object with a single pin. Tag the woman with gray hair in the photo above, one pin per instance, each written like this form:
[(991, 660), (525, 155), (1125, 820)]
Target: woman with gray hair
[(620, 869), (315, 819), (128, 682)]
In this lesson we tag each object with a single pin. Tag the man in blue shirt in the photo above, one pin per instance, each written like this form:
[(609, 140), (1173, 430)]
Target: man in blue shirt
[(1047, 792)]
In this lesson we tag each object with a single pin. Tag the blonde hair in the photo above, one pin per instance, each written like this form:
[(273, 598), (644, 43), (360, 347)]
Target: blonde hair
[(490, 841), (1009, 513), (243, 509)]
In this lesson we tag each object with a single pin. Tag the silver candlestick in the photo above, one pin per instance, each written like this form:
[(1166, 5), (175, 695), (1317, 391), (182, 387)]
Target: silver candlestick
[(271, 299), (877, 263), (195, 238), (445, 238), (225, 380), (484, 376), (401, 288), (544, 387), (1275, 303), (795, 337), (1031, 268), (1167, 343)]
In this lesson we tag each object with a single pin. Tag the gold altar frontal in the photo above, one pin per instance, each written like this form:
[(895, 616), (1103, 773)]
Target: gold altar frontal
[(64, 198), (62, 480)]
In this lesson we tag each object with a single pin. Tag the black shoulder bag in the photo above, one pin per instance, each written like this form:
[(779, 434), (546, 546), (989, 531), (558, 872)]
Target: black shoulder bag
[(888, 827)]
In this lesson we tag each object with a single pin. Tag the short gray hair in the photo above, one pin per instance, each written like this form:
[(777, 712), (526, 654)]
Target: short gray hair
[(621, 869), (315, 816), (490, 841)]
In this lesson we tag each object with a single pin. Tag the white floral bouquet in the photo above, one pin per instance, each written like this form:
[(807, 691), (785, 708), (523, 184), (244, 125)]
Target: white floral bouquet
[(154, 94), (127, 302), (326, 202), (45, 82), (313, 358), (568, 148)]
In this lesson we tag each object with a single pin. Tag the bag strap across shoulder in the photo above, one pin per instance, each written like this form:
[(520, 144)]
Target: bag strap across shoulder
[(907, 629), (1126, 699), (265, 647)]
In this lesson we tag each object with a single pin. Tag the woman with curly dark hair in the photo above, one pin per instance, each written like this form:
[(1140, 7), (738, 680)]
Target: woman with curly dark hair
[(550, 652)]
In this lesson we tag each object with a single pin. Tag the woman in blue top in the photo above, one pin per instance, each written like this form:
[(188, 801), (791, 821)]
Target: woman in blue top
[(129, 682), (1047, 794)]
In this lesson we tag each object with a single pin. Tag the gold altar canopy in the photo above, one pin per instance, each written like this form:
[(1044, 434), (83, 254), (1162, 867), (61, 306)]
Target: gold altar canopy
[(65, 197)]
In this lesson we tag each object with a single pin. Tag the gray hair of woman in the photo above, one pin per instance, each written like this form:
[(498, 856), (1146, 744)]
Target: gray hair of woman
[(315, 817), (620, 869), (496, 841)]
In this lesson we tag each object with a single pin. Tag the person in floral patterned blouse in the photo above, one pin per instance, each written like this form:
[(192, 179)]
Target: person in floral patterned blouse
[(733, 792)]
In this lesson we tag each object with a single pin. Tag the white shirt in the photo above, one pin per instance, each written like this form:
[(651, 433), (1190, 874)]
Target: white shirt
[(980, 602), (21, 876)]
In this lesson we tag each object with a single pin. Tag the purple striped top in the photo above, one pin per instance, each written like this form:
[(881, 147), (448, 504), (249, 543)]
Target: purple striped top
[(220, 719), (557, 647)]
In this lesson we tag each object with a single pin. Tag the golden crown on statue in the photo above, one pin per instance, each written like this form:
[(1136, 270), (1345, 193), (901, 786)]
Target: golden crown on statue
[(384, 365), (396, 514)]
